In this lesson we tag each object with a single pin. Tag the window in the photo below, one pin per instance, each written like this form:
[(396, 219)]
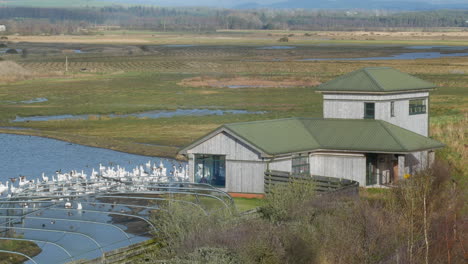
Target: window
[(369, 110), (392, 108), (210, 169), (300, 164), (417, 106)]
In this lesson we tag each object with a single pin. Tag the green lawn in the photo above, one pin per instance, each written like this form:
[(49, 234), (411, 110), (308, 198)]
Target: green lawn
[(246, 204)]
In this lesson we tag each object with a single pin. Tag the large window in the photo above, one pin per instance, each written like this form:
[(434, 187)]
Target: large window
[(300, 164), (417, 106), (369, 110), (210, 169)]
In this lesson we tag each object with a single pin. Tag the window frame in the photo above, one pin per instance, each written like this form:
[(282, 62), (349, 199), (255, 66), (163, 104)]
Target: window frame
[(392, 108), (300, 164), (417, 109), (366, 116)]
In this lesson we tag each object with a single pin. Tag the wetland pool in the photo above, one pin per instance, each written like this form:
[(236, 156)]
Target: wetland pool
[(150, 114), (30, 156)]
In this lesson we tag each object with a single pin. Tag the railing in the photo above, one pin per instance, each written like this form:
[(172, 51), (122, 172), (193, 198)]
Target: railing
[(323, 184)]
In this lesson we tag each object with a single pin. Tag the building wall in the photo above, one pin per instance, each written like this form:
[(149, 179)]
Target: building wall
[(351, 106), (347, 166), (245, 177), (283, 164), (244, 166), (224, 144)]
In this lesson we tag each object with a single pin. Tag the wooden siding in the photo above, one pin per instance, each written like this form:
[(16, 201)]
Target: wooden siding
[(244, 177), (224, 144), (351, 106), (281, 164), (347, 166), (244, 167)]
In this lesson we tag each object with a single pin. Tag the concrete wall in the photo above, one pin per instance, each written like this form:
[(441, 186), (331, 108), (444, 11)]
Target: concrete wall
[(347, 166), (351, 106)]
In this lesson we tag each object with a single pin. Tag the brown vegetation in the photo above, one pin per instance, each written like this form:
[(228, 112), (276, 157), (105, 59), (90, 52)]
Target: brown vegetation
[(248, 82), (417, 222)]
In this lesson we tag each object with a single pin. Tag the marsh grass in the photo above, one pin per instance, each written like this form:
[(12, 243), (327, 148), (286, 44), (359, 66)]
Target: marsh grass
[(120, 84)]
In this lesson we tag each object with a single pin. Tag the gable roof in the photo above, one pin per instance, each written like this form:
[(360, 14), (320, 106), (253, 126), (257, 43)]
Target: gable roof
[(282, 136), (377, 80)]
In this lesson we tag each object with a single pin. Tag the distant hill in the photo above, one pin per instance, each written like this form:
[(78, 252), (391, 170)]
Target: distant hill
[(254, 4), (371, 4)]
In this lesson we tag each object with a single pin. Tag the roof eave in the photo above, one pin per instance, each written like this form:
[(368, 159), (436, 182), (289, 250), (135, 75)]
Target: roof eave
[(358, 151), (215, 132), (376, 92)]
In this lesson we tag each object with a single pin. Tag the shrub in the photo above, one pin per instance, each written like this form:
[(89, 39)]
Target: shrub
[(283, 39), (283, 200)]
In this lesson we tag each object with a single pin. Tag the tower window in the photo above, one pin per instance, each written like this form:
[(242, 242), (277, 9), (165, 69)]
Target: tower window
[(392, 108), (369, 110), (417, 106)]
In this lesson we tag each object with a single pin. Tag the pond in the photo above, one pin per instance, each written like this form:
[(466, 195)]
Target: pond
[(150, 114), (30, 156), (276, 47), (408, 55)]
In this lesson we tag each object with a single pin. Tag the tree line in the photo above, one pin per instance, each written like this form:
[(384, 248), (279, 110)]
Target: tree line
[(28, 20)]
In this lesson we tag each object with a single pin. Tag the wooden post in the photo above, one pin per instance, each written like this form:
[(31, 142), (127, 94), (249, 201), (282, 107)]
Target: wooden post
[(401, 166), (66, 63)]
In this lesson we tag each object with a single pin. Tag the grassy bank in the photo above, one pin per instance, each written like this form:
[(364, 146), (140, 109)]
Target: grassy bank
[(25, 247)]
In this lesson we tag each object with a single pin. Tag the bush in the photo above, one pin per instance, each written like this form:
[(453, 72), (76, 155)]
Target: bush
[(284, 200), (283, 39)]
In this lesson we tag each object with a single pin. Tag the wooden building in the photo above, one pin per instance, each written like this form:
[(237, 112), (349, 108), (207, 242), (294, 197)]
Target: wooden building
[(374, 131)]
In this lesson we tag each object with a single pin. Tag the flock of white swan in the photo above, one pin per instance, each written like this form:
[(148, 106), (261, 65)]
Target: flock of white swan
[(106, 178)]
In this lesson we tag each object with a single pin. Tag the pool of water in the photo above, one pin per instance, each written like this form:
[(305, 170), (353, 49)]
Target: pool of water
[(179, 46), (439, 47), (400, 56), (276, 47), (31, 156), (35, 100), (149, 114)]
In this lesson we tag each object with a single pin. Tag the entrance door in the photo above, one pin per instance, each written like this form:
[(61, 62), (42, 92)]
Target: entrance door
[(371, 169), (210, 169)]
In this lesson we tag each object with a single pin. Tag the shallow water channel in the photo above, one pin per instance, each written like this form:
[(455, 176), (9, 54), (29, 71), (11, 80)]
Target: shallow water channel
[(30, 156), (149, 114)]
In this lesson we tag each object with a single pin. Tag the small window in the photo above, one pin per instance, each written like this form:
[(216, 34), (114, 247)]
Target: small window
[(392, 108), (369, 110), (417, 106), (300, 164)]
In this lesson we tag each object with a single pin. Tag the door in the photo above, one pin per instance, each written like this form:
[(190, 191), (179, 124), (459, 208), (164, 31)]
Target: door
[(371, 169)]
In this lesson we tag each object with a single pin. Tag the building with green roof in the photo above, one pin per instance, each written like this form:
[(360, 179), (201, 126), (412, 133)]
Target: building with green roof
[(374, 131)]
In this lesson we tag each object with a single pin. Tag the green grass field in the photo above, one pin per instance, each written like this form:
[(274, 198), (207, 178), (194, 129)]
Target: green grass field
[(121, 79)]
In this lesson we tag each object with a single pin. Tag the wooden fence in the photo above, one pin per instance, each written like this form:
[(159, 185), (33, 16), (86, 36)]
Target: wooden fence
[(323, 184)]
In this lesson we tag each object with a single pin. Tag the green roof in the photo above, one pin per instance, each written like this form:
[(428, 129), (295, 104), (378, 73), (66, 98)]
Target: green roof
[(292, 135), (376, 79)]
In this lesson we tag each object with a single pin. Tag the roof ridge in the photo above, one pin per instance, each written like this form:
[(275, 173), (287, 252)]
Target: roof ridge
[(373, 79), (309, 131), (272, 120), (382, 123)]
